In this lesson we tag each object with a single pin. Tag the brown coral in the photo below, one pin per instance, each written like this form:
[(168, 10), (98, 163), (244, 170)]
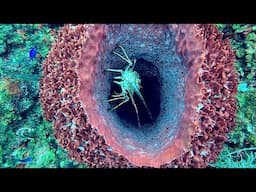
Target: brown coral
[(69, 76)]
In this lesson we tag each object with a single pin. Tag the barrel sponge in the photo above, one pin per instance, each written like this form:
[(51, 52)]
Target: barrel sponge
[(188, 81)]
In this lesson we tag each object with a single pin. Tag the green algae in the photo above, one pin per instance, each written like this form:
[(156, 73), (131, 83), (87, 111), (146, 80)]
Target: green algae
[(23, 130), (243, 40)]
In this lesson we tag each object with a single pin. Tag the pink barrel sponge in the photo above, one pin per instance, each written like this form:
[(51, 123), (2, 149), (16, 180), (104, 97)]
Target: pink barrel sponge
[(188, 80)]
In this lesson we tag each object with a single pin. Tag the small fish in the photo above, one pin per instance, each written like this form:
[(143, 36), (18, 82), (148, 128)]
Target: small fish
[(25, 161), (32, 53)]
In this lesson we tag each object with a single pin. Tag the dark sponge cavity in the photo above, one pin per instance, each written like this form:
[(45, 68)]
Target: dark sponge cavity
[(162, 73)]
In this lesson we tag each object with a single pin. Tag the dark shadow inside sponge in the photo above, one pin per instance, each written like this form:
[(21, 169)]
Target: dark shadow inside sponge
[(150, 81)]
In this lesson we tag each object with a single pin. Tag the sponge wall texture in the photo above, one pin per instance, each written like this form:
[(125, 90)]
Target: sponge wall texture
[(194, 68)]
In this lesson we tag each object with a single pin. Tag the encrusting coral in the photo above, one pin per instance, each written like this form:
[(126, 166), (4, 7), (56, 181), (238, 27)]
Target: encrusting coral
[(187, 73)]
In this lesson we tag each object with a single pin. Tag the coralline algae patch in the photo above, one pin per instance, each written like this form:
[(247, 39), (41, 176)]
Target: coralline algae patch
[(187, 79)]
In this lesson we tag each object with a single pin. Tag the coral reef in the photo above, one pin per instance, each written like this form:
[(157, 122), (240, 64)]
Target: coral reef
[(194, 68), (239, 150), (25, 137)]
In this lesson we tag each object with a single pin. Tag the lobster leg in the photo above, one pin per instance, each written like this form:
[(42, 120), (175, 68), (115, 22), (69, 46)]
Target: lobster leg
[(127, 59), (126, 99), (117, 95), (143, 100), (114, 70), (117, 98), (136, 109)]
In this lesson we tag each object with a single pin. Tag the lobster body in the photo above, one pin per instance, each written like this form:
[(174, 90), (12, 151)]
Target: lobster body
[(130, 83)]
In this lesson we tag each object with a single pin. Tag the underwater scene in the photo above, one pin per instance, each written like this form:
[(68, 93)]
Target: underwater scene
[(127, 96)]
